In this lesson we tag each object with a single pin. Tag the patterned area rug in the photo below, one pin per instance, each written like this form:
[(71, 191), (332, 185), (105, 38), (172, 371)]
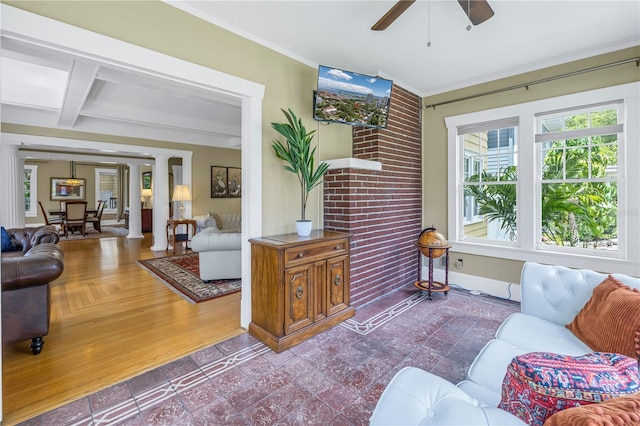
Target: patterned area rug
[(107, 232), (181, 274)]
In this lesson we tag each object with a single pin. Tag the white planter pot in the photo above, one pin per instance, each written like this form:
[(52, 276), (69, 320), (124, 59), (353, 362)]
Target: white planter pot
[(303, 227)]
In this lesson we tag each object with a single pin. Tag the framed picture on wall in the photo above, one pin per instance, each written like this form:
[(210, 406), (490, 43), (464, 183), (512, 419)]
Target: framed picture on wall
[(146, 180), (234, 182), (59, 191), (218, 182)]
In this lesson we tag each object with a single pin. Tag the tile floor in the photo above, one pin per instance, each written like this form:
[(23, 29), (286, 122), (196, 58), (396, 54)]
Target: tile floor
[(334, 378)]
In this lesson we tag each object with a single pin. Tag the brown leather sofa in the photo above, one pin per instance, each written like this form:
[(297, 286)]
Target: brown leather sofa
[(25, 238), (25, 285)]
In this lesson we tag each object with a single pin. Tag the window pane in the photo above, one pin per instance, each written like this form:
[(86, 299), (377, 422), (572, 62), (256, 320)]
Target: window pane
[(579, 121), (596, 117), (553, 162), (607, 117), (580, 215), (604, 163), (27, 190), (495, 210), (109, 189), (490, 206)]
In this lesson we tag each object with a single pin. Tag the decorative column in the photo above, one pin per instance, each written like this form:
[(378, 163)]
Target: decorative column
[(11, 186), (160, 201), (135, 215), (186, 180)]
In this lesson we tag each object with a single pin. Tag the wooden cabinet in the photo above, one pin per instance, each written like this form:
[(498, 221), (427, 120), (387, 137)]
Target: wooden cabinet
[(146, 216), (147, 220), (299, 286)]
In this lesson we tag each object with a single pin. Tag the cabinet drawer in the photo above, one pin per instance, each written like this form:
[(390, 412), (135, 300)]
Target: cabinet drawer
[(307, 253)]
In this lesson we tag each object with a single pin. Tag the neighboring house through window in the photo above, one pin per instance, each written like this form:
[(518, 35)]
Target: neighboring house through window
[(549, 178)]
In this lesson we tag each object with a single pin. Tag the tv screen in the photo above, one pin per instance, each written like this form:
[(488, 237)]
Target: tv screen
[(351, 98)]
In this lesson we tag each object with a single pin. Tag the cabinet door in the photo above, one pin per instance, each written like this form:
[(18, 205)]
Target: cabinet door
[(298, 304), (338, 284), (320, 293)]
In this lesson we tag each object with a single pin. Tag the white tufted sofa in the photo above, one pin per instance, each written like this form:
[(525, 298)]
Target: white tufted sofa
[(230, 222), (219, 249), (220, 254), (551, 297)]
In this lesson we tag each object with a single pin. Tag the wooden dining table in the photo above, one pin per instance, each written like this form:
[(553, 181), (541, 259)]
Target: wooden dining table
[(63, 213)]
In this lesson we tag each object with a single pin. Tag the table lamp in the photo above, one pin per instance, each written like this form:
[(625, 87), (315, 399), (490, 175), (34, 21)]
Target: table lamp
[(146, 194), (181, 193)]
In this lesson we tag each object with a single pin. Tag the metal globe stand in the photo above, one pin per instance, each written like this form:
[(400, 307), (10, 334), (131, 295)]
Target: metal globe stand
[(429, 251)]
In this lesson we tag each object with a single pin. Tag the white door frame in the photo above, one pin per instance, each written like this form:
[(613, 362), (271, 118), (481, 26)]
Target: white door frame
[(35, 29)]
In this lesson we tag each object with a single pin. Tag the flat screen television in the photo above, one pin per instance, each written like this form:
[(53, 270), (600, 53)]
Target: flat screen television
[(350, 98)]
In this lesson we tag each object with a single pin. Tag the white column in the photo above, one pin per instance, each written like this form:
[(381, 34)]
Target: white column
[(135, 215), (11, 186), (186, 180), (160, 201)]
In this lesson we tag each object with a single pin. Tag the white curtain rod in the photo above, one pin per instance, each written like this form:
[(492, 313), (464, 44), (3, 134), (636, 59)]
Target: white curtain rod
[(544, 80)]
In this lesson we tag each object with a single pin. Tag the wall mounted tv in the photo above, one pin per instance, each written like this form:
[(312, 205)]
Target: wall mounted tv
[(351, 98)]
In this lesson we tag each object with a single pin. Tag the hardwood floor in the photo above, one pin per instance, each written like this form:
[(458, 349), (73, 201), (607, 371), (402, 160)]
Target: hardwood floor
[(111, 320)]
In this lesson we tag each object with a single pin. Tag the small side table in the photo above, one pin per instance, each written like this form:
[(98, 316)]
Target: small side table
[(179, 238)]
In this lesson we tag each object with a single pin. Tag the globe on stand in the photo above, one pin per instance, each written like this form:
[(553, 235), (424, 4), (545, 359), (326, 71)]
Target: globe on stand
[(432, 244)]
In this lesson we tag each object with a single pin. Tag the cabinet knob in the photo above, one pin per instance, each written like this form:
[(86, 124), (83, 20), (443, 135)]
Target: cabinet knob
[(299, 293), (337, 279), (337, 248), (300, 255)]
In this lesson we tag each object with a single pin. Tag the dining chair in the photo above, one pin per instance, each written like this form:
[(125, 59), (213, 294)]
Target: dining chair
[(75, 217), (92, 214), (49, 220), (95, 219)]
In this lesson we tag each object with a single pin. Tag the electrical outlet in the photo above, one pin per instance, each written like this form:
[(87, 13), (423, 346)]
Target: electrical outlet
[(459, 264)]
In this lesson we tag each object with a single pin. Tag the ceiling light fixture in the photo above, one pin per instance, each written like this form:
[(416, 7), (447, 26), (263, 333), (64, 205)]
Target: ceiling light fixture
[(73, 181)]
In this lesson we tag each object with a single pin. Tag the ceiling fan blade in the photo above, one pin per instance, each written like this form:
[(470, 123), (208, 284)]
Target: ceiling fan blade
[(480, 10), (393, 14)]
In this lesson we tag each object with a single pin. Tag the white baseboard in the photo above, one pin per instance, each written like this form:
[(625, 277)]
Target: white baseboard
[(472, 283)]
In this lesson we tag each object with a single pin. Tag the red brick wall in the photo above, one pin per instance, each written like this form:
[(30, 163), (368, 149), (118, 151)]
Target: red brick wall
[(381, 209)]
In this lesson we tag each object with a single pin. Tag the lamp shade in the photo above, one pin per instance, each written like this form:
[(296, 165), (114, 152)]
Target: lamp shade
[(181, 193), (146, 193)]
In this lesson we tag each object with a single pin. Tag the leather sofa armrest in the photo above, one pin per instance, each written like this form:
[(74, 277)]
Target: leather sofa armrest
[(45, 235), (40, 265)]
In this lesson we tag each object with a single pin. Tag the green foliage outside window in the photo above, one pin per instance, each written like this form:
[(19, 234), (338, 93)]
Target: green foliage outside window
[(579, 193)]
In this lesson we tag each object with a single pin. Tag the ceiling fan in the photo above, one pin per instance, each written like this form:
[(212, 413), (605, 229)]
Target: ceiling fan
[(478, 11)]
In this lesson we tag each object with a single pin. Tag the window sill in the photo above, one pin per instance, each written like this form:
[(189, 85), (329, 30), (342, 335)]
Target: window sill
[(571, 260)]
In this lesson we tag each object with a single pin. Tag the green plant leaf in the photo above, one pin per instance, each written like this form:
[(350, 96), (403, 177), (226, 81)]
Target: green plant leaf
[(298, 154)]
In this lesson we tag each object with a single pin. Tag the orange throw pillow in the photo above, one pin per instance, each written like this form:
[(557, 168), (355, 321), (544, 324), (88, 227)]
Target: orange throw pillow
[(621, 410), (610, 321)]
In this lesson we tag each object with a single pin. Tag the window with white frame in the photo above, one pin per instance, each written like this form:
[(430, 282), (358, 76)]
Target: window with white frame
[(550, 180), (579, 177), (107, 188), (490, 176), (30, 190)]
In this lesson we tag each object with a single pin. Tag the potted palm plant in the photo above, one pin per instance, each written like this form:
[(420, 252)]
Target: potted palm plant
[(299, 155)]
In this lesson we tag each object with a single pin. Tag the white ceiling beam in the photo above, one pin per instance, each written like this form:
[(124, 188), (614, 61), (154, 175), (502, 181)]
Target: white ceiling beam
[(65, 156), (168, 87), (43, 118), (81, 77)]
